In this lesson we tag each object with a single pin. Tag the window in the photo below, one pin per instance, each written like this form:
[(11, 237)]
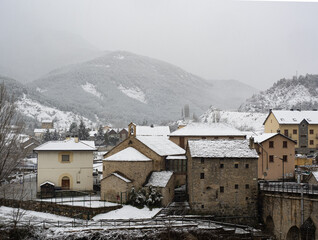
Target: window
[(236, 186), (203, 137), (284, 144), (271, 144), (65, 158), (311, 131), (221, 165), (246, 198), (231, 137), (271, 158), (311, 142), (222, 189), (247, 186), (201, 175), (216, 137), (294, 131), (285, 158), (286, 132), (236, 165), (202, 160), (247, 165), (202, 206)]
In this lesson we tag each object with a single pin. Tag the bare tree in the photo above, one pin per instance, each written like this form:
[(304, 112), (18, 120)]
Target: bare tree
[(11, 127)]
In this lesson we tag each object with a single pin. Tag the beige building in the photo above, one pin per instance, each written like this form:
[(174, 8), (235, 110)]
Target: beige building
[(276, 156), (222, 177), (301, 126), (204, 131), (67, 164)]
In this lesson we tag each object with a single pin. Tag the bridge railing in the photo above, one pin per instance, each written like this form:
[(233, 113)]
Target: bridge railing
[(289, 187)]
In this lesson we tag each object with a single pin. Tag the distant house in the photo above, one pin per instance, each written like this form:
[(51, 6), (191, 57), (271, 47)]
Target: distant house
[(204, 131), (122, 134), (154, 131), (301, 126), (67, 164), (222, 177), (39, 132), (275, 150), (47, 124)]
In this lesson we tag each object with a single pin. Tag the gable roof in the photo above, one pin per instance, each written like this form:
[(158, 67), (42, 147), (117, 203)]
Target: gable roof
[(266, 136), (161, 145), (120, 176), (159, 179), (67, 145), (201, 129), (221, 149), (128, 154), (294, 116)]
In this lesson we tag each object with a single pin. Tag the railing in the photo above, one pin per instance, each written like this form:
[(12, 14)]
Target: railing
[(289, 187)]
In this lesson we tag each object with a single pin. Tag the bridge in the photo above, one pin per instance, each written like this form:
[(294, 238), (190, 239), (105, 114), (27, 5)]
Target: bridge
[(289, 210)]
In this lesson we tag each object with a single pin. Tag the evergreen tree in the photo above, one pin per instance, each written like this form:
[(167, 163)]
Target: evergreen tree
[(83, 133), (47, 136), (100, 137), (55, 136), (73, 131)]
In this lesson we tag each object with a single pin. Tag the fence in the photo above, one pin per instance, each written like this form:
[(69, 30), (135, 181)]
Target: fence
[(289, 187)]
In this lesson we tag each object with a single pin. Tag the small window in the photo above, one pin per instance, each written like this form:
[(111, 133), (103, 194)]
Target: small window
[(247, 165), (231, 137), (236, 186), (216, 137), (271, 158), (311, 131), (247, 186), (246, 198), (284, 144), (236, 165), (201, 175), (65, 158), (285, 158), (294, 131), (311, 142), (286, 132), (221, 189), (221, 165), (271, 144), (203, 137), (202, 160), (202, 206)]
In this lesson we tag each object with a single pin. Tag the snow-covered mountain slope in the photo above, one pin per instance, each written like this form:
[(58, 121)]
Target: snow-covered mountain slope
[(121, 87), (244, 121), (298, 93), (38, 111)]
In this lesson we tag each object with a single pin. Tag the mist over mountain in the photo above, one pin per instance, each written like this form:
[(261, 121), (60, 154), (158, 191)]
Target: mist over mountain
[(28, 54), (296, 93), (120, 87)]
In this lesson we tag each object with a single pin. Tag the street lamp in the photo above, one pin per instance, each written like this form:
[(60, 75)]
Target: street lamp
[(283, 169)]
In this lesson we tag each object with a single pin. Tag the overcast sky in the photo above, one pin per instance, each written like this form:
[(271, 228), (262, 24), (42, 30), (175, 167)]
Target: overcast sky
[(256, 42)]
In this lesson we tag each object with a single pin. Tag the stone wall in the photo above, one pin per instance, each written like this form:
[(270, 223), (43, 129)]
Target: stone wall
[(63, 210), (113, 187)]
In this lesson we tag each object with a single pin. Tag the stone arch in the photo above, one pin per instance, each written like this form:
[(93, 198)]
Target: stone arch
[(270, 226), (308, 230), (293, 233), (64, 177)]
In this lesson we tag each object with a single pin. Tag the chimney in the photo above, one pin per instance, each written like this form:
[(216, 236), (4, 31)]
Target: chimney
[(278, 130), (76, 138), (251, 143)]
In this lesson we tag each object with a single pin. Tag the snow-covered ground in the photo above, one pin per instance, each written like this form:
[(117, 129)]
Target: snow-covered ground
[(63, 119), (135, 93), (91, 88), (128, 212)]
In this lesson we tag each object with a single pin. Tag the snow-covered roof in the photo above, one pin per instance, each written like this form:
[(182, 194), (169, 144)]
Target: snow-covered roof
[(221, 149), (43, 130), (47, 121), (161, 145), (46, 183), (152, 131), (67, 145), (121, 177), (92, 133), (98, 167), (263, 137), (213, 129), (159, 179), (295, 116), (128, 154), (176, 157)]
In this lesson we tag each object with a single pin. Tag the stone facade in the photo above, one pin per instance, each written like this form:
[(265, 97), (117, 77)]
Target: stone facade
[(218, 187), (115, 189), (168, 192)]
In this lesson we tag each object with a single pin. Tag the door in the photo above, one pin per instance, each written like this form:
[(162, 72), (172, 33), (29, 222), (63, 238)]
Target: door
[(65, 183)]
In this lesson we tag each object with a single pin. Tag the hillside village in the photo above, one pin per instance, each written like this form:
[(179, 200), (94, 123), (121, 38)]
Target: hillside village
[(209, 169)]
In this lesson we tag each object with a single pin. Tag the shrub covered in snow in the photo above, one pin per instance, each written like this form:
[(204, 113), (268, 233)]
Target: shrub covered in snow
[(150, 197)]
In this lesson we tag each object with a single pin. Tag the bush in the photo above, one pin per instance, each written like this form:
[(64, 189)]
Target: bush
[(152, 198)]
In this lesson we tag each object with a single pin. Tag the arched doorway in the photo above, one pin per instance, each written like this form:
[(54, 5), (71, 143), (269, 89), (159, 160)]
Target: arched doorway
[(65, 183), (270, 227), (308, 230), (293, 233)]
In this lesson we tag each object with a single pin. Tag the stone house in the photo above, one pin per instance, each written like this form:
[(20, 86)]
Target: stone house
[(301, 126), (135, 159), (313, 178), (204, 131), (47, 124), (67, 164), (276, 156), (222, 177)]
